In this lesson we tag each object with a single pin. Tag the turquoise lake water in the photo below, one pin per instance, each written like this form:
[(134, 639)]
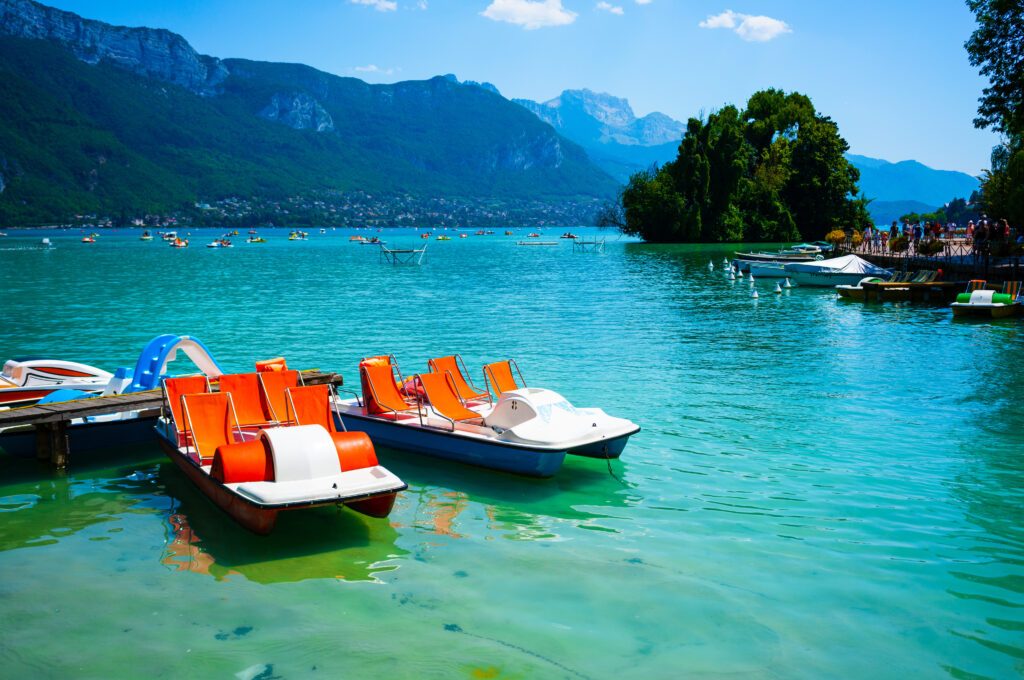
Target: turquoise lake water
[(820, 489)]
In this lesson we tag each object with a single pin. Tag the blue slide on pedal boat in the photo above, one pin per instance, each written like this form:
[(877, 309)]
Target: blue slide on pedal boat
[(255, 460), (523, 430)]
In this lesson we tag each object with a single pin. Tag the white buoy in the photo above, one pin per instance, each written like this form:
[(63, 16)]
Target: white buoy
[(725, 262), (732, 276), (788, 284), (739, 275), (778, 288), (753, 293), (751, 279), (711, 266)]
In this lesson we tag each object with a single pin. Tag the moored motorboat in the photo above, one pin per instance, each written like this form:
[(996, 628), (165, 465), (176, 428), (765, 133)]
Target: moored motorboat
[(981, 301), (255, 463), (523, 430), (848, 269), (767, 270)]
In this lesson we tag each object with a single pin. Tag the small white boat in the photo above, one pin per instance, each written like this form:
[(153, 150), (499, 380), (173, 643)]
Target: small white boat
[(26, 381), (768, 270), (848, 269)]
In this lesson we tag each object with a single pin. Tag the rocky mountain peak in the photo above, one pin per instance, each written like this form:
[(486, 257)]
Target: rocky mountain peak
[(153, 53), (298, 111)]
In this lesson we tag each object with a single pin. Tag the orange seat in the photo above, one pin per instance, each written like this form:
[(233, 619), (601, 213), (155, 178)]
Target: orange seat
[(499, 376), (311, 406), (175, 387), (275, 401), (244, 389), (1012, 288), (271, 365), (243, 462), (450, 364), (208, 419), (380, 394), (976, 284), (439, 389)]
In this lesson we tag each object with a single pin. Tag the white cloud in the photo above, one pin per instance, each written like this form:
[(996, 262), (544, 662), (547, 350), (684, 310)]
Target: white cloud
[(421, 4), (379, 5), (530, 14), (373, 68), (608, 7), (643, 2), (748, 27)]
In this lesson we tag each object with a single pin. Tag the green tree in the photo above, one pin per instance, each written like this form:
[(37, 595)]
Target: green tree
[(996, 47)]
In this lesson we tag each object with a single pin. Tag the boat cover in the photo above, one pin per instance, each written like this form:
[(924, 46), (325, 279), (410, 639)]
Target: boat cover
[(847, 264)]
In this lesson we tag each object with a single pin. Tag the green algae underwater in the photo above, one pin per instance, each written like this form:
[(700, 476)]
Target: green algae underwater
[(820, 488)]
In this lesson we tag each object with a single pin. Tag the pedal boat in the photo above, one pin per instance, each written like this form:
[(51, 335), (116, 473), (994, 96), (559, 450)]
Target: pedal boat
[(525, 430), (25, 381), (254, 466), (979, 301)]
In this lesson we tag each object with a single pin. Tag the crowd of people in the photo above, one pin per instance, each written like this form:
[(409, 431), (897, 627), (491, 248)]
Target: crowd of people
[(977, 238)]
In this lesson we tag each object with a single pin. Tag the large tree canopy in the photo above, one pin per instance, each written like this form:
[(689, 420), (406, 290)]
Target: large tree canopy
[(773, 172), (997, 48)]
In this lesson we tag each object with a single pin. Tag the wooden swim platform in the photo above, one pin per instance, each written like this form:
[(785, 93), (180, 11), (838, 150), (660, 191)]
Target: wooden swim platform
[(51, 420), (936, 291)]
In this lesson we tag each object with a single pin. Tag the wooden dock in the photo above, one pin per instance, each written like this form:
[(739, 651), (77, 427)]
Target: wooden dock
[(51, 420)]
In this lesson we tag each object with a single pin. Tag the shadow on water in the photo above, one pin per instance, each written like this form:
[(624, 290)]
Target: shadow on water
[(40, 506), (316, 543)]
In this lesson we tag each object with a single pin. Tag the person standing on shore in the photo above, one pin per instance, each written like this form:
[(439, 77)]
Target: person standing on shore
[(970, 231)]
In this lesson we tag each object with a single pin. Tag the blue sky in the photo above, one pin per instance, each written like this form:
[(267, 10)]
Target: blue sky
[(894, 75)]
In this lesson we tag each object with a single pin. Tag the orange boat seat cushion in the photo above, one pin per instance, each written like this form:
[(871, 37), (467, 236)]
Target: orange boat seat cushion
[(311, 405), (244, 462), (175, 387), (502, 380), (379, 380), (271, 365), (274, 401), (442, 397), (355, 450), (450, 364), (244, 389), (210, 421)]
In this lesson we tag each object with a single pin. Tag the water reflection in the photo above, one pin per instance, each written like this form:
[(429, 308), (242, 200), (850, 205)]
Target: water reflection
[(518, 508), (39, 507), (316, 543)]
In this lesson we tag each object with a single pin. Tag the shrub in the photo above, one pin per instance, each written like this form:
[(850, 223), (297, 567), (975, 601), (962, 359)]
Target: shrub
[(899, 244), (836, 237), (931, 247)]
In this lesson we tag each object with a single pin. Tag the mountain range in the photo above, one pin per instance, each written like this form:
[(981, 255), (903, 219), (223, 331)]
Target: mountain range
[(107, 118), (100, 117)]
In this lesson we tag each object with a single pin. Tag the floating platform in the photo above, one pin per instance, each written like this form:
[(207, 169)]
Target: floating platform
[(401, 255), (936, 291), (537, 243)]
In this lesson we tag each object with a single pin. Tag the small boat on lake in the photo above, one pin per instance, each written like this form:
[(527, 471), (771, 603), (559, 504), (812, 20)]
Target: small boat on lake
[(848, 269), (524, 430), (263, 445), (443, 237), (256, 239), (856, 292), (179, 243), (146, 236), (981, 301), (88, 239), (24, 381), (569, 235)]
